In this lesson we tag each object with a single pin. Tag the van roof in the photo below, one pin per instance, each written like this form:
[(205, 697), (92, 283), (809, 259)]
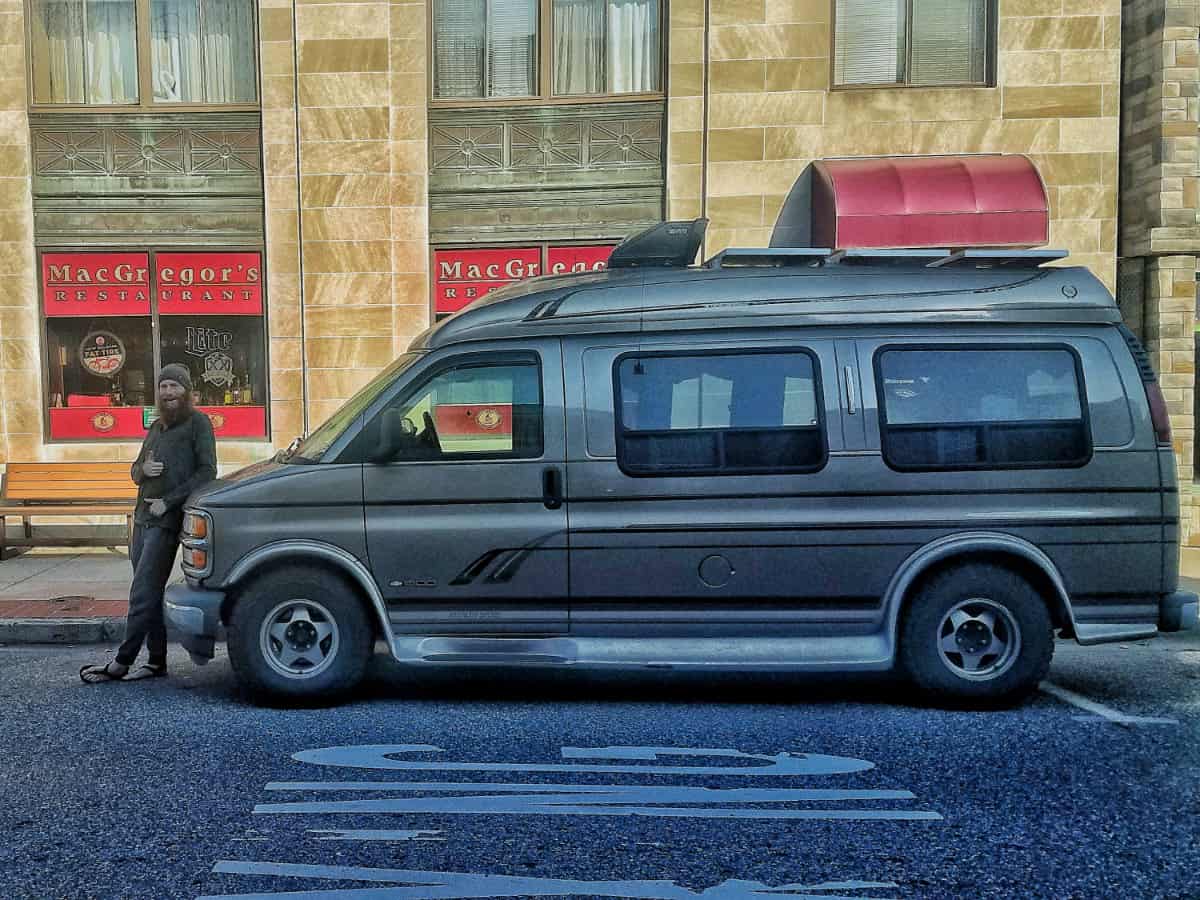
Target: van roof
[(764, 289)]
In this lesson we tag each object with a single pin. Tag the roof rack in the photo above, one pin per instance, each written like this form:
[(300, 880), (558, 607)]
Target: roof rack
[(813, 257)]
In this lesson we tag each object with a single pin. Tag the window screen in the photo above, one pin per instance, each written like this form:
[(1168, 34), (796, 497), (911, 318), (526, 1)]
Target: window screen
[(719, 414), (914, 42), (981, 408), (484, 48)]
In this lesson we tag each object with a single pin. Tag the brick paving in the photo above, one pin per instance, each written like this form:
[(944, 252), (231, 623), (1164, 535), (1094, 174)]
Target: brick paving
[(81, 608)]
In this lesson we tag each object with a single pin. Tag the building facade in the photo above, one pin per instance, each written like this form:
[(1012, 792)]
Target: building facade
[(283, 193), (1160, 233)]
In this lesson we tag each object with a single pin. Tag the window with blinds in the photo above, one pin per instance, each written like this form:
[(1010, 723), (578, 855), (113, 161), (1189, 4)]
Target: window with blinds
[(484, 48), (913, 42)]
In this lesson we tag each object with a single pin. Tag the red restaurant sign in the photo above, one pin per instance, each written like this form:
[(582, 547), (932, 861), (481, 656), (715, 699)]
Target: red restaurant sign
[(561, 260), (86, 423), (209, 284), (462, 276), (96, 284)]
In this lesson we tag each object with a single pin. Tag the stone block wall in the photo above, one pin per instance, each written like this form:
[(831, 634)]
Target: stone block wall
[(771, 111), (1160, 229), (344, 121), (20, 413), (21, 364)]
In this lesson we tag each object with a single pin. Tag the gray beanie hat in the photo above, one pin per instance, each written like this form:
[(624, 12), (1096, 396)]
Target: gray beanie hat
[(176, 372)]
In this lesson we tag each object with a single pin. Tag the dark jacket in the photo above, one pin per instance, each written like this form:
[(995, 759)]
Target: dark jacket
[(188, 452)]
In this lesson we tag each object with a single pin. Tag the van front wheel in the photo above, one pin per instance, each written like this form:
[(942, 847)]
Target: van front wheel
[(977, 634), (299, 632)]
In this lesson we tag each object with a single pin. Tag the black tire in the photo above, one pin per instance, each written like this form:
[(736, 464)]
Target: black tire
[(949, 678), (340, 658)]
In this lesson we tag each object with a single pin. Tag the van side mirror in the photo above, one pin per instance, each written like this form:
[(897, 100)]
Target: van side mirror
[(395, 432)]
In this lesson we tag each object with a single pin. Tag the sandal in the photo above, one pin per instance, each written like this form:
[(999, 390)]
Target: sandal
[(146, 671), (99, 674)]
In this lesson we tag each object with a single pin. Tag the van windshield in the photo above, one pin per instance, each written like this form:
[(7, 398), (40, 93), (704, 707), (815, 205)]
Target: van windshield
[(312, 448)]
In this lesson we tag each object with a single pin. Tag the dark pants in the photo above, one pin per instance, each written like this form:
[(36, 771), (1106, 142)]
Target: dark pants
[(152, 552)]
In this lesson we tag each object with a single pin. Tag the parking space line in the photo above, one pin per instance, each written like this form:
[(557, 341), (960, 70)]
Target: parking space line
[(1099, 710), (373, 834)]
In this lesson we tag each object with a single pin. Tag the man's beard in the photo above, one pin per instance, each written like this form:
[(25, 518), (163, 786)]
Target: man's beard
[(177, 413)]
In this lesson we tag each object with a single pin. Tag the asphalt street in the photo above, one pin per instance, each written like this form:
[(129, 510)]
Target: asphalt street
[(839, 787)]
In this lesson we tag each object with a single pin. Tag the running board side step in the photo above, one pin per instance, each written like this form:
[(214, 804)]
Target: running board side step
[(501, 651), (871, 652)]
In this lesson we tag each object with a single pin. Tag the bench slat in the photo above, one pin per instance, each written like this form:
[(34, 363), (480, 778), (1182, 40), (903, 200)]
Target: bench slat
[(81, 510), (42, 481), (48, 489)]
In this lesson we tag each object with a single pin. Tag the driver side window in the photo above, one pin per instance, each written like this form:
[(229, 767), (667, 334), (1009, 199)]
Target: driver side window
[(477, 410)]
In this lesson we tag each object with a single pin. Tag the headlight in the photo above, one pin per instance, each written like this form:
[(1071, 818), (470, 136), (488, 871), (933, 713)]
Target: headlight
[(196, 539), (195, 526)]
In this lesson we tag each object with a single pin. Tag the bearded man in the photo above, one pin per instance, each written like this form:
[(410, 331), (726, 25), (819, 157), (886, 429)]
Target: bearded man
[(178, 455)]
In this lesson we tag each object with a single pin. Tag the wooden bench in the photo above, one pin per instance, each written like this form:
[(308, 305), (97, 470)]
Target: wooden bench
[(62, 490)]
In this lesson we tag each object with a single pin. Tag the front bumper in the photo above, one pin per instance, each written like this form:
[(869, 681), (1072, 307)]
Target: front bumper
[(196, 615), (1179, 611)]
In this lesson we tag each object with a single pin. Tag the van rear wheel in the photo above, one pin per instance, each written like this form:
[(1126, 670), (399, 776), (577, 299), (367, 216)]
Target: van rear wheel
[(299, 632), (978, 634)]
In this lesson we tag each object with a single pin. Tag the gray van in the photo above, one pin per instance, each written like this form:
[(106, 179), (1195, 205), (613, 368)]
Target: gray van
[(777, 460)]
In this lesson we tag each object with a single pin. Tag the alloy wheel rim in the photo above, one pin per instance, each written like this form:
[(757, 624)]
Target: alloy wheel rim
[(978, 639), (299, 638)]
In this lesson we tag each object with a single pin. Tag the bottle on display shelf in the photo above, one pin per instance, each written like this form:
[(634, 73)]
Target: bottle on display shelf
[(228, 398), (247, 394)]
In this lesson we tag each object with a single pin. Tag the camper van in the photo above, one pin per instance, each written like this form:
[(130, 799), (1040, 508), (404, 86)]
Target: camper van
[(781, 459)]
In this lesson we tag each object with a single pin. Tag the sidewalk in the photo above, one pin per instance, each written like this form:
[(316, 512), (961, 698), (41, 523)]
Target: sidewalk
[(52, 596), (65, 596)]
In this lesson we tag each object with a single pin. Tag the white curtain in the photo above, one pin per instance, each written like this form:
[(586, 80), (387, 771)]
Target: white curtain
[(579, 46), (632, 46), (202, 54), (606, 46), (175, 51), (58, 74), (85, 54), (869, 45), (111, 52), (229, 75)]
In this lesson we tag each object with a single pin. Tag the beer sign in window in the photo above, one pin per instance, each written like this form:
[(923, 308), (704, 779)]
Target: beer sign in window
[(105, 342)]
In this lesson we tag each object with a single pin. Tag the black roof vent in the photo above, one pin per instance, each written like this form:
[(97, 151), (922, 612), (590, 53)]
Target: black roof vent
[(670, 244)]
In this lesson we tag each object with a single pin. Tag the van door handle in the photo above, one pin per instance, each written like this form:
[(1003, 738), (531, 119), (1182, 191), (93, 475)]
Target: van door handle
[(848, 377), (552, 497)]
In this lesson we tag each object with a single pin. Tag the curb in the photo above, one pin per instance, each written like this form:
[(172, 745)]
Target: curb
[(62, 631), (96, 630)]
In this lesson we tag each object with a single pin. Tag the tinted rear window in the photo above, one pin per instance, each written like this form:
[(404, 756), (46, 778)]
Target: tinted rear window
[(733, 413), (952, 408)]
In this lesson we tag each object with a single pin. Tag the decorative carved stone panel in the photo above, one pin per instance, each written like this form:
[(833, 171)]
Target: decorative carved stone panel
[(547, 145), (479, 148), (85, 154), (160, 178), (587, 171), (570, 145)]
